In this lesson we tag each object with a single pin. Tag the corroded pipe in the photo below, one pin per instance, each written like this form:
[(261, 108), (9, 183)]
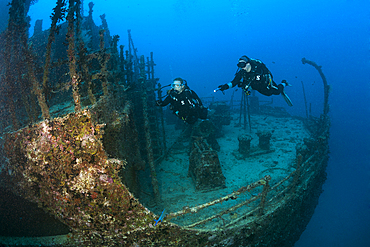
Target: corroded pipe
[(305, 100), (326, 86), (36, 87), (57, 16), (148, 141), (10, 77), (83, 58), (72, 55), (103, 60)]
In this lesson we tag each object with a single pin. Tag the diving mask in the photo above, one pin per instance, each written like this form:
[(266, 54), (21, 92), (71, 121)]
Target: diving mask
[(176, 85), (241, 64), (243, 61)]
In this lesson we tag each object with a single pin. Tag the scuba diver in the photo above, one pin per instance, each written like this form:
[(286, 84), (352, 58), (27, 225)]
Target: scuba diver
[(185, 103), (256, 75)]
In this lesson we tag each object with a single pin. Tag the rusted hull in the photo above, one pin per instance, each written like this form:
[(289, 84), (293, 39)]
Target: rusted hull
[(102, 211)]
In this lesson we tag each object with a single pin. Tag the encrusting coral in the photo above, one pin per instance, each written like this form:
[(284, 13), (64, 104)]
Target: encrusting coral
[(62, 166)]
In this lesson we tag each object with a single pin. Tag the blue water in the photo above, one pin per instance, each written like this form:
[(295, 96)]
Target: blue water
[(201, 41)]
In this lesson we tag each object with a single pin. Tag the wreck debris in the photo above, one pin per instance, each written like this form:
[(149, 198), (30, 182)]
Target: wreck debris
[(204, 166)]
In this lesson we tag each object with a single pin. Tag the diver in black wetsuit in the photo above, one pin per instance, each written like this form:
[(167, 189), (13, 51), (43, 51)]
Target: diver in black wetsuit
[(185, 103), (253, 73)]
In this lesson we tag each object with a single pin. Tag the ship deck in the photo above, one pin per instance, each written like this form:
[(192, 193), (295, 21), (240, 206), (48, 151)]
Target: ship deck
[(178, 191)]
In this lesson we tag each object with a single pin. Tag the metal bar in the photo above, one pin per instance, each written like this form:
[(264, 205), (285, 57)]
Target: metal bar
[(252, 199), (233, 195), (148, 141)]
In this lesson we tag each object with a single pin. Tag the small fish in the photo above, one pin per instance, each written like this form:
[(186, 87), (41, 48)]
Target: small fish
[(160, 217)]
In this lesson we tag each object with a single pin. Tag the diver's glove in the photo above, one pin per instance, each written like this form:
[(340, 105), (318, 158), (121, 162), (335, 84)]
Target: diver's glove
[(223, 87), (159, 102)]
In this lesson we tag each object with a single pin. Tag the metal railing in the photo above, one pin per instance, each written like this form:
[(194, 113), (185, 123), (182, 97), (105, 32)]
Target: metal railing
[(269, 196)]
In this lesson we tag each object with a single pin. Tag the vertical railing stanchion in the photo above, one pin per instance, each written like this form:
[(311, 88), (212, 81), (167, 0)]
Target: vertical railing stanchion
[(299, 159), (266, 187)]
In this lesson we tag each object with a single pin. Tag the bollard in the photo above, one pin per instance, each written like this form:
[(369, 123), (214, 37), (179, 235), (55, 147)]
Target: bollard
[(244, 144), (264, 140)]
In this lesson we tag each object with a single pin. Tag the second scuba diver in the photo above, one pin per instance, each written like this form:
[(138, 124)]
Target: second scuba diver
[(253, 73)]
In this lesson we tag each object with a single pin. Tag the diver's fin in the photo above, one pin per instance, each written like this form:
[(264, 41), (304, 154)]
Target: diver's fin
[(285, 83), (286, 98)]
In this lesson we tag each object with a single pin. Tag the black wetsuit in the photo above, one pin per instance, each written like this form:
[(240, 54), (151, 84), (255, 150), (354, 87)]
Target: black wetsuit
[(186, 105), (259, 78)]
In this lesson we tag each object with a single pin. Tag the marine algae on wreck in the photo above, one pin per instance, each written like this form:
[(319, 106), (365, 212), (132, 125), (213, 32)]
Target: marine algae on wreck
[(58, 101)]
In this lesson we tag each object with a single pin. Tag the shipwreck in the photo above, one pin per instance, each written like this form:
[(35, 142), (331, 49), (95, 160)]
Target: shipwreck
[(86, 158)]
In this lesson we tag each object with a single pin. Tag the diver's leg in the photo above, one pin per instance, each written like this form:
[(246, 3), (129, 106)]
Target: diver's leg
[(282, 92)]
